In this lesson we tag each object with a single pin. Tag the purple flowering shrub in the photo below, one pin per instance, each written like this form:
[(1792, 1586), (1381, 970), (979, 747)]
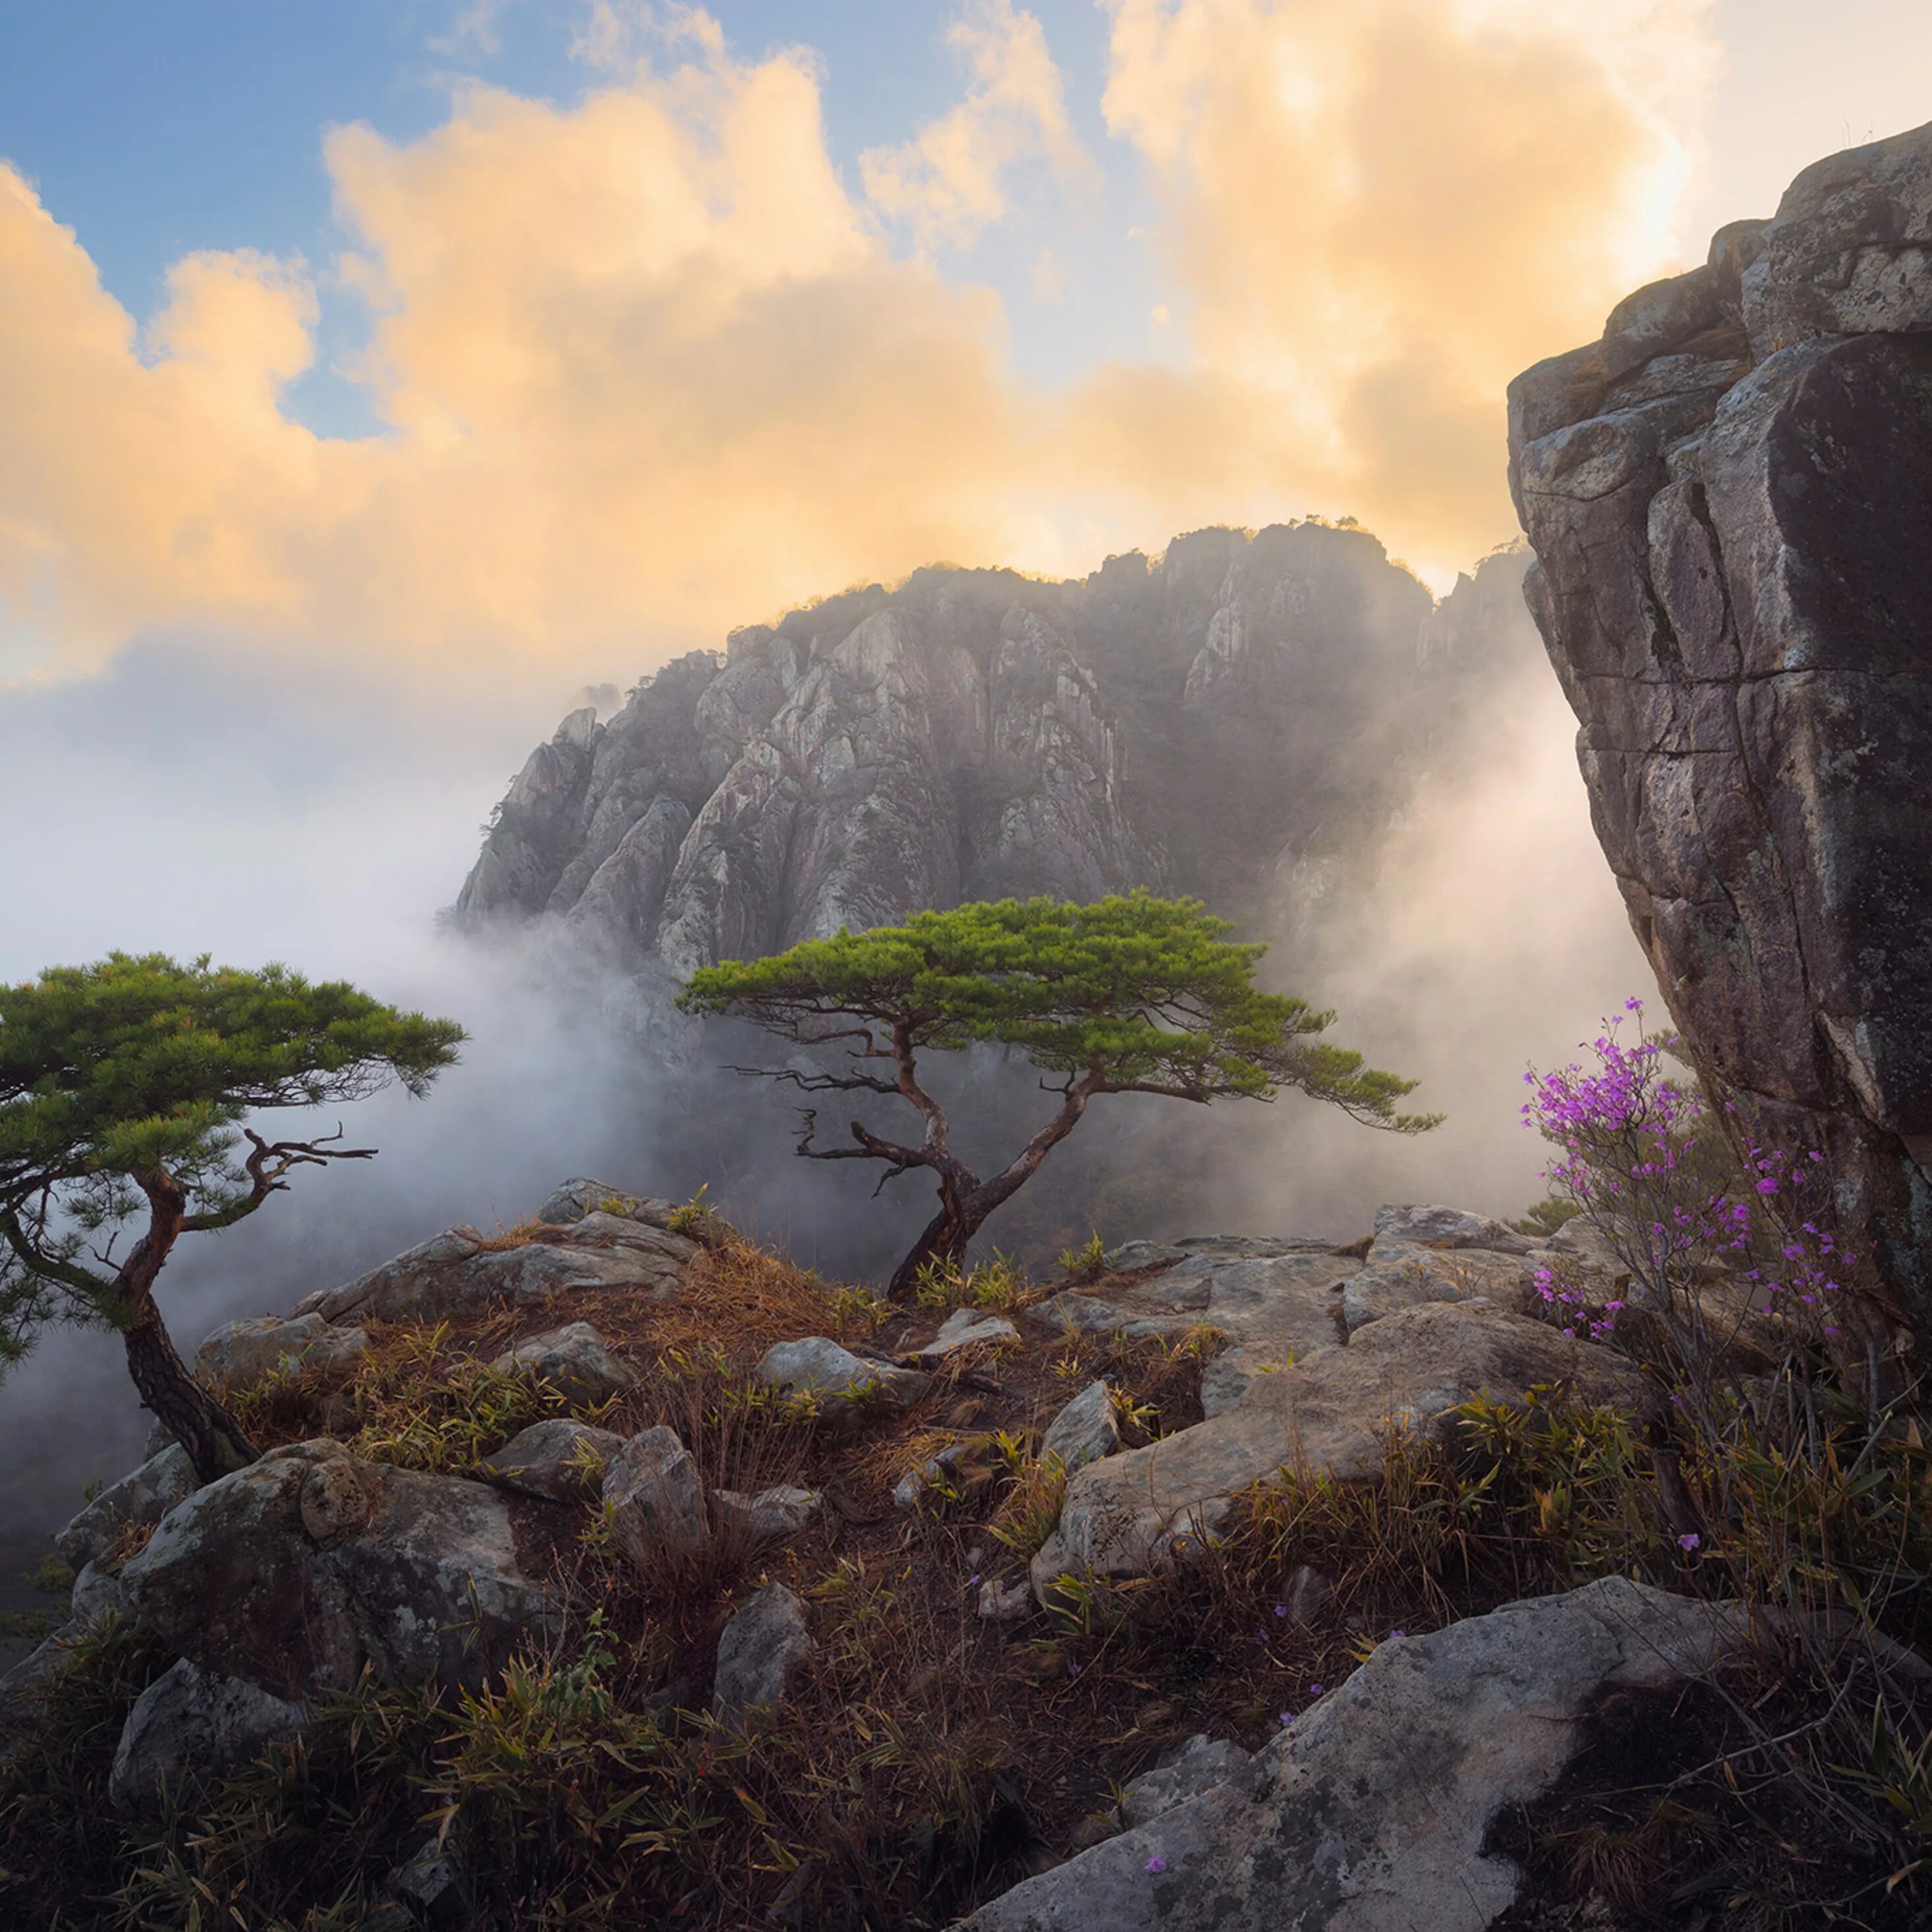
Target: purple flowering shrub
[(1703, 1243)]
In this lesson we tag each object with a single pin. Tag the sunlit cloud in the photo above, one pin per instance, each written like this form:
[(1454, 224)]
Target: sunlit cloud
[(1375, 215), (647, 365), (950, 182)]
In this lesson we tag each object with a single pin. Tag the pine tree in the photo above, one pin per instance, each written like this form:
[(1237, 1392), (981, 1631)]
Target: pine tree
[(124, 1087), (1133, 995)]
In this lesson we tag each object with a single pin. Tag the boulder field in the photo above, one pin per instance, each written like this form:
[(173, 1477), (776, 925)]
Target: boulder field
[(291, 1579)]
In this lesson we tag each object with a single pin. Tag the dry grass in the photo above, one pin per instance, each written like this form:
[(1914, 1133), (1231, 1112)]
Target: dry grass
[(521, 1236), (930, 1757)]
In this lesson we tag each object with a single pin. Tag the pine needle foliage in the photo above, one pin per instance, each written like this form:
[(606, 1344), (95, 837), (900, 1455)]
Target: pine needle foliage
[(125, 1086), (1135, 995)]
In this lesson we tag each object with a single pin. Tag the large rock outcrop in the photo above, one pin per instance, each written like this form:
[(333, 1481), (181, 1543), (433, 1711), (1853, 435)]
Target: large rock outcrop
[(1369, 1813), (1196, 722), (1730, 499)]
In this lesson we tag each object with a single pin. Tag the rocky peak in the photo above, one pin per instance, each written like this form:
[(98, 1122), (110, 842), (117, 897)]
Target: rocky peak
[(1179, 722)]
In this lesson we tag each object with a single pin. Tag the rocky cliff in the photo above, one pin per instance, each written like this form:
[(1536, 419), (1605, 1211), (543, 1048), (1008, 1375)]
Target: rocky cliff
[(1195, 722), (1729, 496)]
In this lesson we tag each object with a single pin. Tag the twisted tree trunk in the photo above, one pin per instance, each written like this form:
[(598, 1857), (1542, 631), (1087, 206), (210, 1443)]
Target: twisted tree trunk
[(215, 1442), (967, 1202)]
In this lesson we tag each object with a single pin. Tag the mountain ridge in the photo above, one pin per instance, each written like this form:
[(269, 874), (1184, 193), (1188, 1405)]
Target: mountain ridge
[(1202, 722)]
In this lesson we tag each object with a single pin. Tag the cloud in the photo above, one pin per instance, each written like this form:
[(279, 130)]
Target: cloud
[(948, 184), (1377, 214), (645, 367)]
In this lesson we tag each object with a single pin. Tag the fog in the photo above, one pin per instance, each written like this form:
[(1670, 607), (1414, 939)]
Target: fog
[(192, 798)]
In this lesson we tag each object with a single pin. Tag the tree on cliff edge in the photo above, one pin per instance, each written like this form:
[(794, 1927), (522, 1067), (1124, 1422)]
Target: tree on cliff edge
[(123, 1086), (1134, 995)]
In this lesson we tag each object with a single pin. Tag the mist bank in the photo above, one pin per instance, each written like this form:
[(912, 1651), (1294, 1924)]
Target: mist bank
[(194, 799)]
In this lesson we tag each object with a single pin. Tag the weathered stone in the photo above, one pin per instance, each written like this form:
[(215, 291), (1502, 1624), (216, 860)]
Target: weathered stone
[(932, 1473), (760, 1651), (428, 1874), (1398, 1275), (573, 1361), (1199, 1765), (98, 1594), (656, 1499), (1332, 1411), (1370, 1813), (577, 1198), (189, 1728), (1738, 608), (1085, 1430), (558, 1458), (242, 1353), (137, 1500), (1444, 1227), (1305, 1594), (770, 1517), (832, 1376), (1270, 1305), (967, 1328), (456, 1270), (1005, 1603), (296, 1572)]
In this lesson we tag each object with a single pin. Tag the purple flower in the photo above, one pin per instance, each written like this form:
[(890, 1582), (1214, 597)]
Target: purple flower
[(1287, 1718), (974, 1578), (1689, 1540), (1315, 1689), (1281, 1609), (1156, 1865), (1396, 1633), (1767, 1187)]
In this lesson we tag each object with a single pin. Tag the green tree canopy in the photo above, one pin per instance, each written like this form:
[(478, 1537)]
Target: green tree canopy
[(124, 1088), (1134, 995)]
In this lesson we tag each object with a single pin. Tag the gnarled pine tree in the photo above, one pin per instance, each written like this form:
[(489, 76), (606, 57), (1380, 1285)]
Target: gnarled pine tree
[(123, 1086), (1134, 995)]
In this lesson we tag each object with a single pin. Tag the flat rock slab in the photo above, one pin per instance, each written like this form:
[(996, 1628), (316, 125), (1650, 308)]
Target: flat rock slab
[(1400, 1274), (770, 1516), (298, 1571), (967, 1328), (1331, 1411), (456, 1271), (240, 1354), (1274, 1302), (1370, 1813), (1201, 1764)]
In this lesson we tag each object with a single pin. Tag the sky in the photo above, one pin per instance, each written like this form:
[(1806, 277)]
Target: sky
[(470, 335)]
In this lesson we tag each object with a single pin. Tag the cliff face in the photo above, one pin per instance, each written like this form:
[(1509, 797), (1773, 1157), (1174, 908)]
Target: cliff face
[(1188, 723), (1730, 500)]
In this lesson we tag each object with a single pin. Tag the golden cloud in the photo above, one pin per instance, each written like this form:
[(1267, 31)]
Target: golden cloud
[(1379, 213), (949, 183), (645, 367)]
